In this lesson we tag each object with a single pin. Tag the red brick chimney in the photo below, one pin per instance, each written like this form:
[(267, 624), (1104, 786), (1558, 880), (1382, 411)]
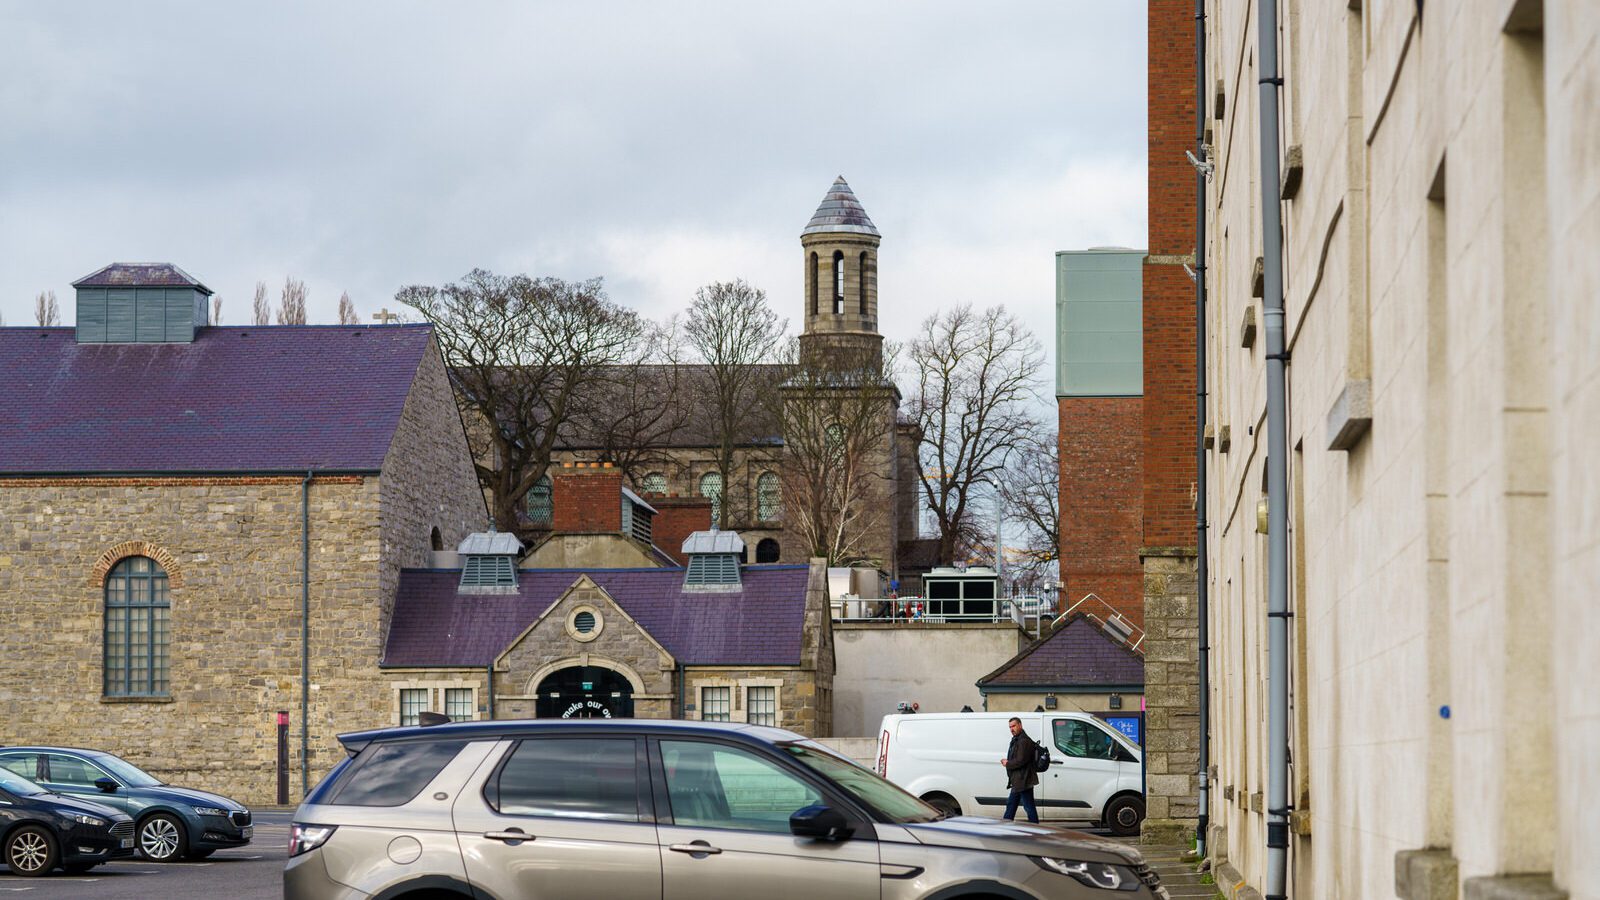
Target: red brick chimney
[(586, 498), (676, 519)]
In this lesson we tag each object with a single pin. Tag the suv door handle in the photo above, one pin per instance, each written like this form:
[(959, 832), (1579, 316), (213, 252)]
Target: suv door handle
[(697, 848), (514, 836)]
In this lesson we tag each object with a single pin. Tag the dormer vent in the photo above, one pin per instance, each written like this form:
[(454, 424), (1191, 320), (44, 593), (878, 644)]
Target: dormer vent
[(489, 563), (714, 558), (140, 303)]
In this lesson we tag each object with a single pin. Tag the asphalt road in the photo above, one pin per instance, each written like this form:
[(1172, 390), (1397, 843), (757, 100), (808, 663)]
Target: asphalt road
[(253, 872)]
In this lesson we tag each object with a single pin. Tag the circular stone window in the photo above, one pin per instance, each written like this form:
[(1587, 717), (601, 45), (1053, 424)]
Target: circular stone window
[(584, 623)]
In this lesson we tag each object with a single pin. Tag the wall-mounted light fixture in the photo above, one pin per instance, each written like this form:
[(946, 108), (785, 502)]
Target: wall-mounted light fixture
[(1115, 702), (1261, 516), (1049, 701)]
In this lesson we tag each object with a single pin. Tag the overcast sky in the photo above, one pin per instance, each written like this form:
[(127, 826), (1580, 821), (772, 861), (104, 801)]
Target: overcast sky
[(362, 147)]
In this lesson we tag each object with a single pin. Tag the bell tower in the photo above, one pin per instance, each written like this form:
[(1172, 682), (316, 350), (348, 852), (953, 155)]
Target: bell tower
[(841, 292)]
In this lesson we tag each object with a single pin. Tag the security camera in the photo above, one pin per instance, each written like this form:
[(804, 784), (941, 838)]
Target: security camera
[(1204, 166)]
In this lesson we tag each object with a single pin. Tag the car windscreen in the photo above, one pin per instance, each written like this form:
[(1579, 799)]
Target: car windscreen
[(126, 772), (17, 786), (887, 798)]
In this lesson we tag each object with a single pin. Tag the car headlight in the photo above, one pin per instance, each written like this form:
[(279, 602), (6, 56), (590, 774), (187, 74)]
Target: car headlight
[(211, 811), (1104, 876), (89, 820)]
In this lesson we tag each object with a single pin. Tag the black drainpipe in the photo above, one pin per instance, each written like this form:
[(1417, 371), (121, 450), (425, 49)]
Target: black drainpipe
[(1200, 423), (489, 670), (682, 713), (305, 634)]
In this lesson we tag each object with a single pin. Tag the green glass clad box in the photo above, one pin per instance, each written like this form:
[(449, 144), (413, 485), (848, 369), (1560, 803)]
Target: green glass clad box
[(1099, 323)]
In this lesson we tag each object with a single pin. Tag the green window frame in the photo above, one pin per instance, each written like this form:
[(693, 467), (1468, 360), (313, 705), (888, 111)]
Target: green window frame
[(541, 510), (769, 497), (138, 622)]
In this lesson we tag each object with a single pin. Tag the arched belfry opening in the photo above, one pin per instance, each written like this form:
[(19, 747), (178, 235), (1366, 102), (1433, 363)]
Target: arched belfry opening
[(841, 251)]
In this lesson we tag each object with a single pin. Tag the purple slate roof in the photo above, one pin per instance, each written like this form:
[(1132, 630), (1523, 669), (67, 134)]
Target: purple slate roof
[(1077, 654), (140, 275), (237, 399), (759, 625)]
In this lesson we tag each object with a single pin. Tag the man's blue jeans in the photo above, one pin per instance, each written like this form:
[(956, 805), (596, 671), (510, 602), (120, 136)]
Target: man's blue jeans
[(1026, 798)]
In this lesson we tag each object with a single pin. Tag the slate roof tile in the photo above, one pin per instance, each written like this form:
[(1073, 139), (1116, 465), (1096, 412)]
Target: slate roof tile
[(1077, 654)]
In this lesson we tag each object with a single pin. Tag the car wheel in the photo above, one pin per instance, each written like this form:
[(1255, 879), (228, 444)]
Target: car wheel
[(161, 839), (943, 803), (31, 850), (1123, 814)]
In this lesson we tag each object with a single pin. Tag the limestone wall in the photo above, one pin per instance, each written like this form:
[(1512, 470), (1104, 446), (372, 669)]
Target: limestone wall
[(233, 547), (1442, 331), (935, 665)]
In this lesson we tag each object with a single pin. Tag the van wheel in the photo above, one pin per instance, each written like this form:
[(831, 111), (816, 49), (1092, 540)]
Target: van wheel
[(1124, 813), (943, 803)]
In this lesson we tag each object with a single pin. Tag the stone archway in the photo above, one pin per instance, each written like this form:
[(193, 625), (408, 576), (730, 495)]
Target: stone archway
[(584, 692)]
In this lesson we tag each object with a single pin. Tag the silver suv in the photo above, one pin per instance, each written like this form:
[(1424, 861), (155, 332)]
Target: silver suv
[(650, 809)]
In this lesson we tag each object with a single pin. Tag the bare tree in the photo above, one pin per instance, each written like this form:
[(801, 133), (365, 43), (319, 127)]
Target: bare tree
[(639, 407), (216, 310), (292, 304), (260, 311), (522, 351), (45, 309), (975, 376), (734, 330), (347, 310), (1030, 489), (837, 417)]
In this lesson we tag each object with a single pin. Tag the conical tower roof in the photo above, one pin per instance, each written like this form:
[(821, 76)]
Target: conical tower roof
[(840, 211)]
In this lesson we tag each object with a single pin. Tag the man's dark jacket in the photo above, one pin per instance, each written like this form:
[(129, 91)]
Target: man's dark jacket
[(1020, 757)]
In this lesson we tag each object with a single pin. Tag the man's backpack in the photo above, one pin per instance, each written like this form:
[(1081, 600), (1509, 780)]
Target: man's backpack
[(1041, 757)]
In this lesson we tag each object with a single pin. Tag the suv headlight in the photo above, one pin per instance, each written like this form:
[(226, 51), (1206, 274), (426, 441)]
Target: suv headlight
[(305, 838), (211, 811), (89, 820), (1104, 876)]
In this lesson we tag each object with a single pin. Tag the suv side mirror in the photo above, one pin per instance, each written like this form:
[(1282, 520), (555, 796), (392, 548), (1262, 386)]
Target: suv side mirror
[(106, 785), (821, 822)]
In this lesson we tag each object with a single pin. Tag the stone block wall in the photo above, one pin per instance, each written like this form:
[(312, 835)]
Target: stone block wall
[(1172, 695), (232, 549)]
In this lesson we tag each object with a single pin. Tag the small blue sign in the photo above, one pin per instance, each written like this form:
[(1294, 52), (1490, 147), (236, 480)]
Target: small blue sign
[(1128, 725)]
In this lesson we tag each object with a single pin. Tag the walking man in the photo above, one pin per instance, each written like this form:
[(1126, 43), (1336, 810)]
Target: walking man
[(1020, 775)]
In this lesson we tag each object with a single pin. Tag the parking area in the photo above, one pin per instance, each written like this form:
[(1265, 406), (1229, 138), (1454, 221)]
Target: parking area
[(251, 873)]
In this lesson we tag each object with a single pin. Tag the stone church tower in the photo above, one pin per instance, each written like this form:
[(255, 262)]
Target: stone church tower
[(843, 388), (841, 294)]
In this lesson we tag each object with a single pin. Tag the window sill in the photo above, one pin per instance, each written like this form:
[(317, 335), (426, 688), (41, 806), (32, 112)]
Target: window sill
[(152, 699)]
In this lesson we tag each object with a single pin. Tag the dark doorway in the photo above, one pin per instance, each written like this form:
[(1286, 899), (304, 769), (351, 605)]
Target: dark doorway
[(584, 692)]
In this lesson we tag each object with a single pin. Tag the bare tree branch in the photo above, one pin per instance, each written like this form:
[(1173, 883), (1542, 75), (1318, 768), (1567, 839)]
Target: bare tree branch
[(347, 310), (975, 376), (45, 309), (292, 305), (260, 311), (1031, 492), (734, 330), (216, 310), (521, 351)]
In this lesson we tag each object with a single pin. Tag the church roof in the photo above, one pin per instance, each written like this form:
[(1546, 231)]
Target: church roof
[(840, 212), (238, 399), (1077, 654), (760, 623)]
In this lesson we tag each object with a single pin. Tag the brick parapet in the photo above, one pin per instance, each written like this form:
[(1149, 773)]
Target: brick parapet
[(586, 498)]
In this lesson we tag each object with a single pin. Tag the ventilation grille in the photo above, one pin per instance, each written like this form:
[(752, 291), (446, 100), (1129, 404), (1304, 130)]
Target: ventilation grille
[(488, 571), (713, 570)]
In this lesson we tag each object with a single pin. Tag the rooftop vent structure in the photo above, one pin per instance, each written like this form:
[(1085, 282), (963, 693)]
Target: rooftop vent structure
[(714, 558), (140, 303), (489, 563)]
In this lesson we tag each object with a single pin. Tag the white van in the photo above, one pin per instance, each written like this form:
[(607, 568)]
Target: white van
[(952, 760)]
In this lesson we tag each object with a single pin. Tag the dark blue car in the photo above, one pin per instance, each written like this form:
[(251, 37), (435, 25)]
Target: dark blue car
[(40, 831), (172, 823)]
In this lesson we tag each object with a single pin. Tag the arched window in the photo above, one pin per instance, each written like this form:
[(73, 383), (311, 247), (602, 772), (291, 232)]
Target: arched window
[(436, 540), (838, 282), (766, 551), (654, 483), (811, 284), (861, 288), (711, 487), (835, 441), (769, 497), (137, 629), (540, 511)]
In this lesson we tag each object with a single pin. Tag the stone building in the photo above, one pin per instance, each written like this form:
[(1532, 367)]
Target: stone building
[(1082, 664), (840, 332), (185, 504), (1440, 195)]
